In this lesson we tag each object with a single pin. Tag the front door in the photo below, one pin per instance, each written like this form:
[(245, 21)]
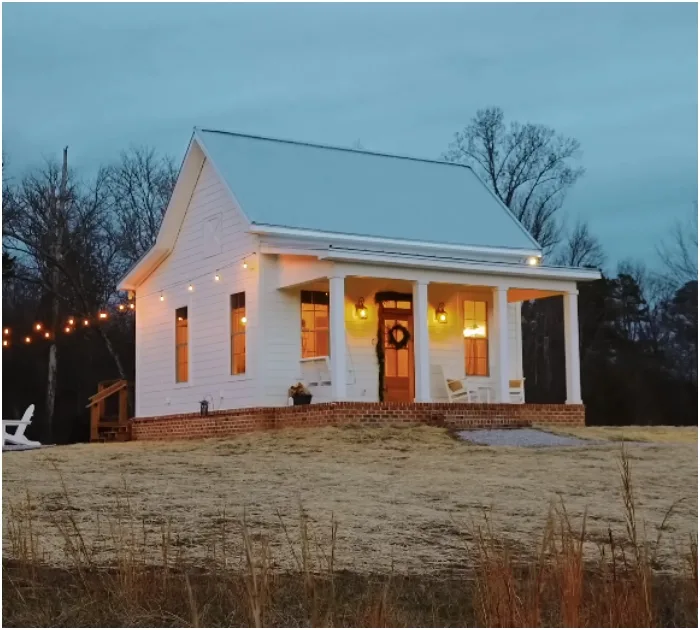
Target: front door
[(398, 363)]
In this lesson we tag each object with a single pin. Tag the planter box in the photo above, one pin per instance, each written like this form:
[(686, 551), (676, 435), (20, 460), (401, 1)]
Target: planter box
[(302, 399)]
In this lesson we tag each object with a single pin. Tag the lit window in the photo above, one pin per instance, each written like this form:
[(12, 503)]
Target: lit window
[(314, 324), (238, 326), (181, 343), (476, 339)]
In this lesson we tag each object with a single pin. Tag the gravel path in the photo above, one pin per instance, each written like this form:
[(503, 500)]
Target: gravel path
[(521, 437)]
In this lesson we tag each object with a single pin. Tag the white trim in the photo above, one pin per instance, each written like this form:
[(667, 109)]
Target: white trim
[(338, 350), (421, 346), (500, 309), (317, 235), (572, 351), (563, 273)]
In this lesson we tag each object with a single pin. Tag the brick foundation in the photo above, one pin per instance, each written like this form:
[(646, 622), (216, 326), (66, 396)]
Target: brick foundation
[(450, 415)]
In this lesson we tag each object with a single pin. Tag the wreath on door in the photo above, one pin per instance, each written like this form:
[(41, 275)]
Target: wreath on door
[(398, 341)]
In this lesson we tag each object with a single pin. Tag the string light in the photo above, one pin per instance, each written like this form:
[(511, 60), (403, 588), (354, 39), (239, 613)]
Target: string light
[(244, 320), (102, 315), (245, 264), (217, 277), (86, 322), (38, 326), (47, 334), (132, 306), (67, 329), (162, 297), (5, 343), (71, 321), (27, 340), (6, 331), (121, 307), (191, 287)]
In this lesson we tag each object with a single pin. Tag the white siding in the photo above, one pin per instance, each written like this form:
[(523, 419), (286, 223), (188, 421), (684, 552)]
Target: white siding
[(282, 339), (213, 236)]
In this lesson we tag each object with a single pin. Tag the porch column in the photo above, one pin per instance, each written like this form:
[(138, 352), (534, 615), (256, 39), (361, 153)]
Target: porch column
[(571, 344), (421, 345), (337, 333), (500, 320)]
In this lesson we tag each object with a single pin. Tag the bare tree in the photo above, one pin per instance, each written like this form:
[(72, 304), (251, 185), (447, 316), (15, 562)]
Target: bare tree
[(581, 248), (679, 250), (61, 236), (529, 167), (139, 186)]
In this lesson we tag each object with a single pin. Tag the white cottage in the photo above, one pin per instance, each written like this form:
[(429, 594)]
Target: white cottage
[(366, 276)]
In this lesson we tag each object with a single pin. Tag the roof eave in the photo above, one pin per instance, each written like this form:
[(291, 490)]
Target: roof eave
[(408, 246)]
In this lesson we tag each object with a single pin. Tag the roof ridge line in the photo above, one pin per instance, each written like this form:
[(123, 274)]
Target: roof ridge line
[(332, 147)]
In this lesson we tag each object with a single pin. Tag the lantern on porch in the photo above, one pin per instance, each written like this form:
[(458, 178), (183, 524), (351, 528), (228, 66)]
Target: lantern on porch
[(204, 407), (361, 309), (440, 313)]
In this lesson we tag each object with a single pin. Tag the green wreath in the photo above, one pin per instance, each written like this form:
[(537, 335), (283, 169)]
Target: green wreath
[(398, 344)]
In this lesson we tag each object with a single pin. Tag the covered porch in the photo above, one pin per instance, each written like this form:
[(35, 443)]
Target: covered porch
[(400, 338)]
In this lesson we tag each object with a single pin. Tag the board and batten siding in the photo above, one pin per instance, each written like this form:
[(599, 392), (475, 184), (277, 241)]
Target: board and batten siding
[(213, 237)]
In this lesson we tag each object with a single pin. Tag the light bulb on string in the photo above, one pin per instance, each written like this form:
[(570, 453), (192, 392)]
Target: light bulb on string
[(217, 277), (121, 307), (38, 326), (132, 306), (102, 315), (86, 322), (190, 287), (245, 264), (5, 343), (162, 297), (71, 321), (6, 331), (47, 335), (27, 340), (67, 329)]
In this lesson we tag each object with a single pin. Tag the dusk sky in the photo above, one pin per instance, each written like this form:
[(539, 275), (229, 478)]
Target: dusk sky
[(400, 78)]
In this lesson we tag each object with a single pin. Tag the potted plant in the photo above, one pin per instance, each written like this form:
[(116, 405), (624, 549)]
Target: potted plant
[(300, 394)]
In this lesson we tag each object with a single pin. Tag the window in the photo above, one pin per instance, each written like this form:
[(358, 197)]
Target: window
[(314, 324), (476, 339), (238, 324), (181, 351)]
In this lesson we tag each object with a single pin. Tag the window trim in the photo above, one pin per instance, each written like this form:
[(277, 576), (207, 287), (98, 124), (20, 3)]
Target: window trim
[(244, 373), (301, 329), (188, 344), (487, 321)]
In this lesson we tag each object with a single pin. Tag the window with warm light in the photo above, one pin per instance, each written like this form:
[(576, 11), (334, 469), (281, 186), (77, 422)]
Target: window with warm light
[(314, 324), (238, 326), (181, 346), (476, 339)]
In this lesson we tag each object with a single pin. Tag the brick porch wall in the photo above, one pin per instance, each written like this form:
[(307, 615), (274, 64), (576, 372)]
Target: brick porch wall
[(450, 415)]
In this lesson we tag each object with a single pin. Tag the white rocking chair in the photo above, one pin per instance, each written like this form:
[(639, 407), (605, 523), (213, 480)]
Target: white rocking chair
[(17, 438)]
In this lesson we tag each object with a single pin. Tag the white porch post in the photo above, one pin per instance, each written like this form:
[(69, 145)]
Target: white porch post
[(571, 343), (500, 319), (337, 333), (421, 345)]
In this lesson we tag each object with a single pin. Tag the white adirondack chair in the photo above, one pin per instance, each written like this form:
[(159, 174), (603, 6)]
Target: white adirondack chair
[(17, 438)]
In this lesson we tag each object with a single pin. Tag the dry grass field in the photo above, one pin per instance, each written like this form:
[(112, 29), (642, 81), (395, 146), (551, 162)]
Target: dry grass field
[(405, 500)]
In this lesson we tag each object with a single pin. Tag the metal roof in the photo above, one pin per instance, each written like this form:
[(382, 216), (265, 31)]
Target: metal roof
[(347, 191)]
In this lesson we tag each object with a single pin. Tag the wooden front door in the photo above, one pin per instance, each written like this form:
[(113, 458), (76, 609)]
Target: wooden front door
[(398, 364)]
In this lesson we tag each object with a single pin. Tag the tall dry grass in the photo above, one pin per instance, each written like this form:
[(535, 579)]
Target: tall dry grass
[(241, 585)]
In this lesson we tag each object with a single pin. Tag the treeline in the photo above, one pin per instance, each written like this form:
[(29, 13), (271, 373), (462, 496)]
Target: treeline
[(67, 241)]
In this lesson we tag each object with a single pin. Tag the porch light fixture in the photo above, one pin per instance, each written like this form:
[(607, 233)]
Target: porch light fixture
[(440, 313), (474, 332), (361, 309), (533, 261)]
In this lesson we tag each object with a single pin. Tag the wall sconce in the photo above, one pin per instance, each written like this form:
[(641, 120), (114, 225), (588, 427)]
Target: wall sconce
[(361, 309), (440, 313)]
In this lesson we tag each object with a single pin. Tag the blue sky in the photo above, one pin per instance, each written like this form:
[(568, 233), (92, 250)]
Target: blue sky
[(621, 78)]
